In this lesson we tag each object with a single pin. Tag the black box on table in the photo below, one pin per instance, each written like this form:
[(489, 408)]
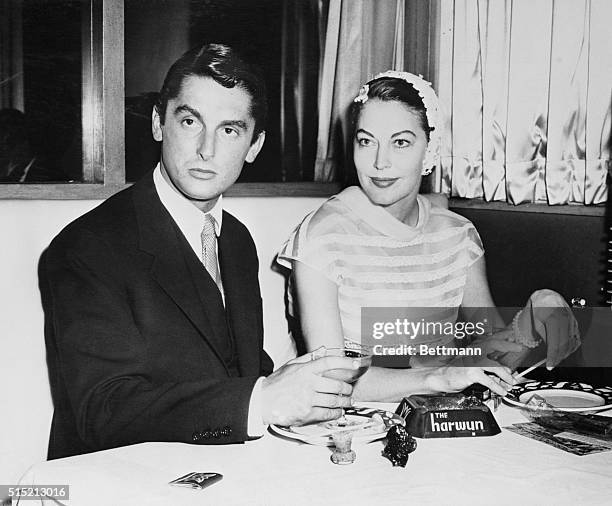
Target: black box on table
[(448, 415)]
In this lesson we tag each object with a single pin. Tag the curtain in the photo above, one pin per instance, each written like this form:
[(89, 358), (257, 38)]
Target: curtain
[(304, 23), (528, 86), (329, 48), (362, 38), (11, 55)]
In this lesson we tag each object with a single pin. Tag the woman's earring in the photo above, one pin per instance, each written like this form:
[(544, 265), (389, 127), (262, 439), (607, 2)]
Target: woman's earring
[(428, 163), (426, 169), (431, 158)]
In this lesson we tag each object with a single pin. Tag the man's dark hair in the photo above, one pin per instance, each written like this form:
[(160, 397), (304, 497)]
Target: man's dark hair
[(227, 68)]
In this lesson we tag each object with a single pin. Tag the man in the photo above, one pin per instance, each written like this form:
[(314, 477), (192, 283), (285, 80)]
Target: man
[(153, 318)]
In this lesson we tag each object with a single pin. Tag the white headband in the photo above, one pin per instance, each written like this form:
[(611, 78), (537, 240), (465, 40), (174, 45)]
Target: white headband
[(432, 111)]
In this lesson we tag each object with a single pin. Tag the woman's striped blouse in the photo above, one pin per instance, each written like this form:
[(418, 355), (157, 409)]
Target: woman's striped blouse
[(378, 261)]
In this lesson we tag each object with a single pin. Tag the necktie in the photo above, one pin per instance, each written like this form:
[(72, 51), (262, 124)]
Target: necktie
[(209, 250)]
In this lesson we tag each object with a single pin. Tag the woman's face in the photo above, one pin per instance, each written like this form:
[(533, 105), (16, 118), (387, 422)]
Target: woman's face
[(388, 151)]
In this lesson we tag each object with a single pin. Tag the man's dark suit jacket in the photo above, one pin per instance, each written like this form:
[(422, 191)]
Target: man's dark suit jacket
[(139, 345)]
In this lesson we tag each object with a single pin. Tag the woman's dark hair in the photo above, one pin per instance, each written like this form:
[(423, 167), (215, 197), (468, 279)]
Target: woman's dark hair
[(393, 89), (227, 68)]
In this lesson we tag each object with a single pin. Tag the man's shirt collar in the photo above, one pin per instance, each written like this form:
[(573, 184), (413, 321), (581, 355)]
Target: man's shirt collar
[(187, 216)]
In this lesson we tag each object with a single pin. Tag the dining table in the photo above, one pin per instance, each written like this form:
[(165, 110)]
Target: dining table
[(506, 468)]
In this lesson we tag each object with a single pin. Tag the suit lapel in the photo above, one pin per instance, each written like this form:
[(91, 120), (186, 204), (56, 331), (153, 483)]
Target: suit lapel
[(161, 238), (240, 301), (211, 302)]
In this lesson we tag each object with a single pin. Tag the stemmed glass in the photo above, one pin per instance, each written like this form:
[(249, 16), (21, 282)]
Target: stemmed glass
[(358, 352)]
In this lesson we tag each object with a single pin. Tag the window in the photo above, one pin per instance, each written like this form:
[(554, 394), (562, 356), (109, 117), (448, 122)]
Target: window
[(40, 118), (157, 32), (63, 70), (81, 97)]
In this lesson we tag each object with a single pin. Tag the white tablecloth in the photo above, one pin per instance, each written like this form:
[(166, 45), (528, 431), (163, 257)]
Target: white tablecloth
[(503, 469)]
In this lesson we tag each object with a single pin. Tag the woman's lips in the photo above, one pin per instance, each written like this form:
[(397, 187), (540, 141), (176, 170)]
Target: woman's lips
[(202, 173), (383, 182)]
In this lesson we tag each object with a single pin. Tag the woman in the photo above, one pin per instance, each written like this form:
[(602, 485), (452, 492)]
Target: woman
[(383, 245)]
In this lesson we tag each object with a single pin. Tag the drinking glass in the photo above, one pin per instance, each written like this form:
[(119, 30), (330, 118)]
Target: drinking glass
[(358, 352)]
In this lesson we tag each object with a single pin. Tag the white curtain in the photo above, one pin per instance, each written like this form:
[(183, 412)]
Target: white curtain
[(528, 85), (362, 38)]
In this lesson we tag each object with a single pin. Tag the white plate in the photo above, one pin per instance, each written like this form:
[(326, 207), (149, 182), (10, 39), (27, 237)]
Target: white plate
[(366, 426), (564, 395)]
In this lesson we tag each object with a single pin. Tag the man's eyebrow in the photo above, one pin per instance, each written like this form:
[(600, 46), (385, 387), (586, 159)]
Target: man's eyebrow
[(238, 123), (186, 108)]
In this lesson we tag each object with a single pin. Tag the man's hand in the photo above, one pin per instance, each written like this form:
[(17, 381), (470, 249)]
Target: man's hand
[(298, 393)]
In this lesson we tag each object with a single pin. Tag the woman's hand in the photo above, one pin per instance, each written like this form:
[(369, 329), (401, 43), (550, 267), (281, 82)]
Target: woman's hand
[(547, 317), (501, 350), (491, 348), (456, 378)]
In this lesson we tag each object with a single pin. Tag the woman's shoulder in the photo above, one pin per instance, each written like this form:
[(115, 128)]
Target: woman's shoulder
[(442, 218), (319, 238), (447, 227), (334, 216)]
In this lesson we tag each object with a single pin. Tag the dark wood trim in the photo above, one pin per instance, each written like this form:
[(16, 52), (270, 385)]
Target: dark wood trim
[(571, 209), (283, 190), (57, 191), (92, 191), (84, 191)]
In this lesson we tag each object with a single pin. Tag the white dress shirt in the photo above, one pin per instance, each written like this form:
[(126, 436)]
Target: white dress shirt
[(187, 216), (190, 222)]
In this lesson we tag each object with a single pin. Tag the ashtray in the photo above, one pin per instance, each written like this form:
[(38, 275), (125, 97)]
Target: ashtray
[(448, 415)]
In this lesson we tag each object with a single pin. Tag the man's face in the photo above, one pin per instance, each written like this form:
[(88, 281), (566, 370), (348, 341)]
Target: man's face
[(206, 138)]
